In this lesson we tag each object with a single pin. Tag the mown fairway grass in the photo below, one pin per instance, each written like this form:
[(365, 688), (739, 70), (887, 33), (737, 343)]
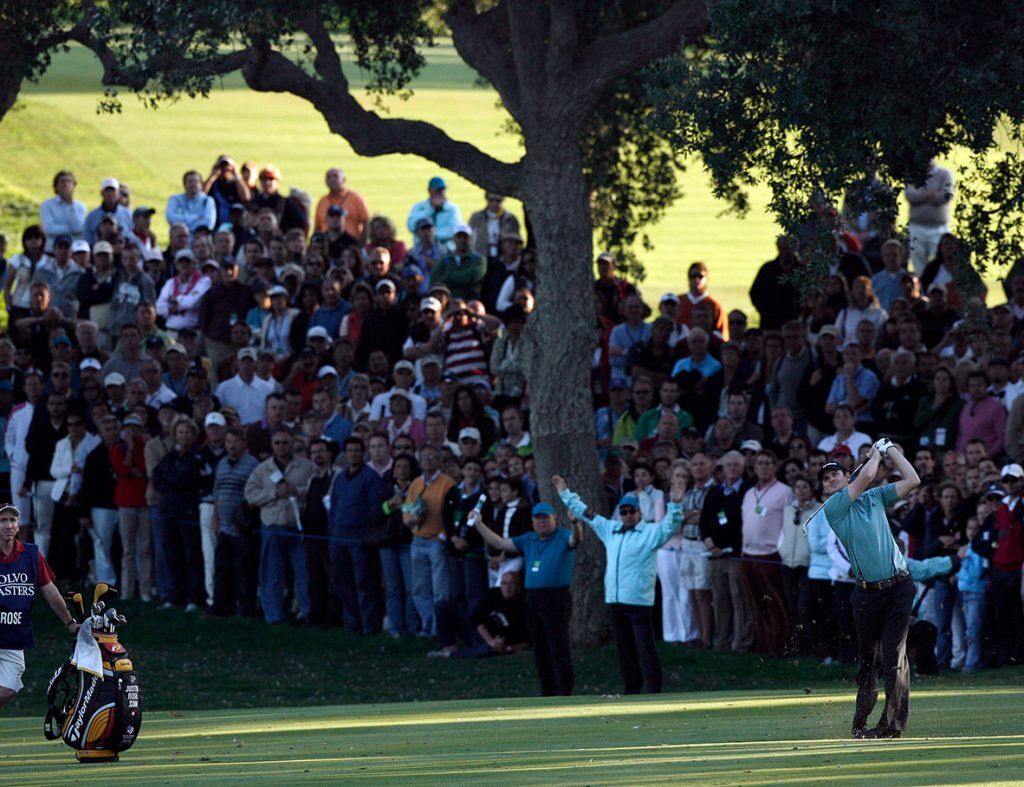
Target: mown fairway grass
[(234, 700), (58, 127), (708, 738)]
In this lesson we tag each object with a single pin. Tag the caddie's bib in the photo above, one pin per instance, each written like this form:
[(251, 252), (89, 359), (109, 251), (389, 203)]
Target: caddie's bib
[(17, 594)]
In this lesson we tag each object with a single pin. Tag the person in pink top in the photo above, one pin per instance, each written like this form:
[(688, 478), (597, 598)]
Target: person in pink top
[(763, 507), (982, 418)]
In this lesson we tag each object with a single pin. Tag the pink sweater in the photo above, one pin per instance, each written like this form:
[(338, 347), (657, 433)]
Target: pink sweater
[(761, 529), (984, 420)]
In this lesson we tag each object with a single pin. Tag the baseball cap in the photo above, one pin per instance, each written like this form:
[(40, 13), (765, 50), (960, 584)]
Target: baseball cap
[(102, 247), (750, 445), (110, 183), (325, 371), (830, 467), (1013, 470), (270, 171), (669, 297), (176, 348), (617, 384), (317, 332), (829, 330), (247, 352), (237, 206), (211, 263), (184, 254), (995, 490), (90, 363), (463, 229), (215, 418), (407, 365), (114, 378), (469, 433), (61, 340), (154, 341), (386, 284), (134, 420), (143, 210), (276, 290), (430, 304), (630, 443), (841, 449), (437, 182), (424, 222), (629, 500), (402, 393), (62, 239), (411, 269), (606, 256), (79, 245), (543, 509), (511, 236), (431, 360), (9, 507)]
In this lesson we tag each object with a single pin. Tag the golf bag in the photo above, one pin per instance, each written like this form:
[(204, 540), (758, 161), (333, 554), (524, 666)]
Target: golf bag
[(98, 715)]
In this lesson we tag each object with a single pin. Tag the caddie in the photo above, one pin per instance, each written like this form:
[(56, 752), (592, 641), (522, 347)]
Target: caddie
[(23, 572), (884, 591)]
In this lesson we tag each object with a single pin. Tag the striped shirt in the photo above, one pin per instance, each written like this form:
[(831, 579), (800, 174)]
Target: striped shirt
[(464, 352), (229, 490)]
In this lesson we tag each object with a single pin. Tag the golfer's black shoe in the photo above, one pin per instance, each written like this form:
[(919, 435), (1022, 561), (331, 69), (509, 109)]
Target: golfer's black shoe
[(860, 733), (876, 732)]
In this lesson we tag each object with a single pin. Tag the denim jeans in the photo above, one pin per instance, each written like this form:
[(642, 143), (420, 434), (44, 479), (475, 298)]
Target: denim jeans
[(104, 525), (161, 574), (974, 619), (429, 579), (281, 546), (467, 582), (396, 564), (355, 585), (946, 601)]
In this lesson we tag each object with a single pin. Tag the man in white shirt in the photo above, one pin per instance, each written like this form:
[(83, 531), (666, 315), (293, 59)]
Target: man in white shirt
[(843, 420), (194, 208), (15, 437), (62, 214), (404, 376), (929, 214), (181, 295), (245, 392)]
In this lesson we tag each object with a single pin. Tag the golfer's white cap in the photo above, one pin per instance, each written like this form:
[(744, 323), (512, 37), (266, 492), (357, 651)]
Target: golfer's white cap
[(9, 507), (1012, 471)]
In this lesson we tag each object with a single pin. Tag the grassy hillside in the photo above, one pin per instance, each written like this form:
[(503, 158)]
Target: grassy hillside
[(57, 126)]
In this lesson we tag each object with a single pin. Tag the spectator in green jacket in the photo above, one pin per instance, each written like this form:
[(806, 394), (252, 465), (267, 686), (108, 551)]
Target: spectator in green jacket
[(463, 270)]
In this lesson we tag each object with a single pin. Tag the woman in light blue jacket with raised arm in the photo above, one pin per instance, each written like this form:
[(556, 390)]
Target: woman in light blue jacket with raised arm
[(821, 625), (631, 548)]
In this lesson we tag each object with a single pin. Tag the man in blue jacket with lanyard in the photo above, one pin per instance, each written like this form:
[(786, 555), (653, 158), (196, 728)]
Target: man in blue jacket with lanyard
[(23, 570), (631, 547), (884, 592)]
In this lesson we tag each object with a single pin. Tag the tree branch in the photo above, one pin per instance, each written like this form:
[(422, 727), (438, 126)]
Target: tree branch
[(369, 134), (482, 41), (564, 37), (613, 56)]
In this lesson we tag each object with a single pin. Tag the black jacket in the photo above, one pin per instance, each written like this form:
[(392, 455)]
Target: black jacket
[(98, 479), (729, 534), (178, 478)]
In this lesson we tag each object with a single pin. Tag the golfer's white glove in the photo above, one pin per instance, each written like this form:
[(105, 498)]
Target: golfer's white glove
[(882, 445)]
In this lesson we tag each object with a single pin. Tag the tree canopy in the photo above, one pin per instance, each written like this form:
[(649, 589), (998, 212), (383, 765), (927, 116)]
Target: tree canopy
[(813, 96)]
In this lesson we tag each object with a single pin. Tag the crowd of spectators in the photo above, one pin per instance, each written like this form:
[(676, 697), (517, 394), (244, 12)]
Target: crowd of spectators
[(296, 411)]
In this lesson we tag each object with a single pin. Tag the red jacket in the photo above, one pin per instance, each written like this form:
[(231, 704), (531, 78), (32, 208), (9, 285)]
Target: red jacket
[(130, 491), (1008, 535)]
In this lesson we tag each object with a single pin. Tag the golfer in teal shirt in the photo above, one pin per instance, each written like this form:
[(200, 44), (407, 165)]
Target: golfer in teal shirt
[(884, 592)]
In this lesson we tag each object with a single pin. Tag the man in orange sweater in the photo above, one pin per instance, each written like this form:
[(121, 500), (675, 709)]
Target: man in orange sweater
[(423, 513)]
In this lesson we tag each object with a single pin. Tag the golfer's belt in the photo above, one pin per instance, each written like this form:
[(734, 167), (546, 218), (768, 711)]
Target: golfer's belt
[(885, 583)]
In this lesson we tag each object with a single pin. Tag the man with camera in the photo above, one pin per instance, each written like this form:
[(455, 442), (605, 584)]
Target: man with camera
[(884, 591)]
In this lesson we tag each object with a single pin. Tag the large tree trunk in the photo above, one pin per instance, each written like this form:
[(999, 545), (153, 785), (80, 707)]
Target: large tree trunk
[(560, 340)]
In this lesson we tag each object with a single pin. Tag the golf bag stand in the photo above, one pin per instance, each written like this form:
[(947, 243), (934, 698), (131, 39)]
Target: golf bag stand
[(98, 716)]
